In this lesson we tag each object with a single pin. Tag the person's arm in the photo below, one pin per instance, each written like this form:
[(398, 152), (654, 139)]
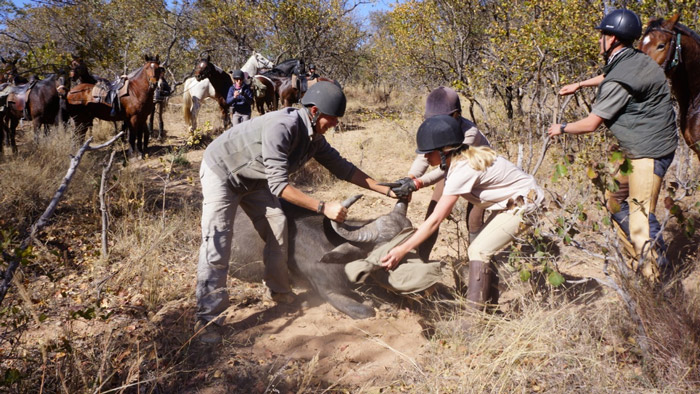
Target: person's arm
[(230, 97), (573, 87), (247, 94), (361, 179), (332, 210), (428, 227), (585, 125)]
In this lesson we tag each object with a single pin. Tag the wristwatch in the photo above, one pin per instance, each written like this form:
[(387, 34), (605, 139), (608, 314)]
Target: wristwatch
[(562, 127)]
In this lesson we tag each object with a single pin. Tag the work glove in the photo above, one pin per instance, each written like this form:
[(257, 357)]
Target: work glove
[(404, 187)]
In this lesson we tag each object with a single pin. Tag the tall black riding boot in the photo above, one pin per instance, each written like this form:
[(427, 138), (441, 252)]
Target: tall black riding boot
[(481, 284)]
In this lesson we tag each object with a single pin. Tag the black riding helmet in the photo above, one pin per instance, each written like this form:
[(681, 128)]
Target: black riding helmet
[(623, 24), (238, 74), (438, 132), (328, 97)]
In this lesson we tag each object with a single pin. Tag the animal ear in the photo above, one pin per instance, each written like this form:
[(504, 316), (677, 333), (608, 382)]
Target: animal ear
[(673, 20), (157, 58), (208, 57)]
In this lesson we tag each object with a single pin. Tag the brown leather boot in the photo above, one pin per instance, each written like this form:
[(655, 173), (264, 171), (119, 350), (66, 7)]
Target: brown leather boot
[(481, 284)]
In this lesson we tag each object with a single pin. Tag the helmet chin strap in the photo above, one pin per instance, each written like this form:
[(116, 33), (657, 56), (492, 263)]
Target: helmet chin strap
[(314, 118), (606, 52), (450, 153)]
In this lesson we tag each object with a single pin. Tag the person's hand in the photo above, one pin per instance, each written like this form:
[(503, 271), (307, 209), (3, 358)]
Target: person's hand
[(335, 211), (554, 129), (404, 187), (569, 89), (236, 93), (393, 258)]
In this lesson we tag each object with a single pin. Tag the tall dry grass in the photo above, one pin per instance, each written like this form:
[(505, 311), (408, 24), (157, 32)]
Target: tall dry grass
[(122, 322)]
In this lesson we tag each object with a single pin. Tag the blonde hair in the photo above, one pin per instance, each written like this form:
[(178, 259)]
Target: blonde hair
[(479, 157)]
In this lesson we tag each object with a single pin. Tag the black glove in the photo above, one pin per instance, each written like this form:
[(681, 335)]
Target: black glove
[(404, 187)]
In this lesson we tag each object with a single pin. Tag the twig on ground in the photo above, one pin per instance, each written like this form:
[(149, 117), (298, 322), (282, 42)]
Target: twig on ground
[(14, 261)]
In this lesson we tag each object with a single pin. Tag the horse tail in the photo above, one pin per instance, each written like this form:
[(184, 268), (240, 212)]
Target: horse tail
[(187, 107)]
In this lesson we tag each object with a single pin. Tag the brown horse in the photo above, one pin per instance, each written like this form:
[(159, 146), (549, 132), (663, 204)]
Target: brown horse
[(160, 101), (41, 101), (135, 103), (79, 73), (220, 80), (264, 94), (677, 50)]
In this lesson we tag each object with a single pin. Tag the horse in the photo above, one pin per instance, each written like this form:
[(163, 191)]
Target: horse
[(135, 102), (42, 101), (160, 101), (264, 93), (194, 93), (290, 81), (263, 88), (676, 49), (220, 80), (254, 63), (79, 73)]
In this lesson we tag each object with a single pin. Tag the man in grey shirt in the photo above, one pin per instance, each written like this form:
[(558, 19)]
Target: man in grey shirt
[(634, 102), (249, 165)]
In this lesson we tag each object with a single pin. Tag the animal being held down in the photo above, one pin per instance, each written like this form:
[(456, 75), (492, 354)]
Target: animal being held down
[(320, 249)]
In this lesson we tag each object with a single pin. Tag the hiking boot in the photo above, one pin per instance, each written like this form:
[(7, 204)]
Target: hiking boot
[(209, 333), (280, 298)]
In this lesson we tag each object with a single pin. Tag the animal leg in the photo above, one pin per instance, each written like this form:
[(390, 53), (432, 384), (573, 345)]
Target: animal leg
[(196, 103), (343, 254)]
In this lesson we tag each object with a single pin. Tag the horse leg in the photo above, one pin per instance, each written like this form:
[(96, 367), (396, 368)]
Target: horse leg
[(195, 111), (146, 136), (150, 119), (12, 130), (161, 132)]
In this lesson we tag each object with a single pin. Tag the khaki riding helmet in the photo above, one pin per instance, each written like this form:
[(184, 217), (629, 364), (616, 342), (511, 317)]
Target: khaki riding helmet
[(328, 97), (442, 101)]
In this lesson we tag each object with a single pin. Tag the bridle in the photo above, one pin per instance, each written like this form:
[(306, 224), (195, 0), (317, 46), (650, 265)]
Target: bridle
[(674, 52)]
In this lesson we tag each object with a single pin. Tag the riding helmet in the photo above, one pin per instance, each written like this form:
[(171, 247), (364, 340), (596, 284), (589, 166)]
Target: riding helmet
[(327, 96), (442, 101), (311, 66), (437, 132), (623, 24), (238, 74)]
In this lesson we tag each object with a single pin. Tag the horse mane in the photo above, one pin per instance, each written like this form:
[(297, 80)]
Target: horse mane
[(656, 24)]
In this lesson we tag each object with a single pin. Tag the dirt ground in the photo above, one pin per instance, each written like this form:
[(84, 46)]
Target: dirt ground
[(308, 346)]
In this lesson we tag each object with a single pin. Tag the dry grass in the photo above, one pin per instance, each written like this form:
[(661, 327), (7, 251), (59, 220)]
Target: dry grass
[(122, 322)]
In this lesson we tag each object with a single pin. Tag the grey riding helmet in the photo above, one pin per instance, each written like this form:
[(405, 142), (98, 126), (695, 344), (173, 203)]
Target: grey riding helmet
[(442, 101), (328, 97), (437, 132), (623, 24)]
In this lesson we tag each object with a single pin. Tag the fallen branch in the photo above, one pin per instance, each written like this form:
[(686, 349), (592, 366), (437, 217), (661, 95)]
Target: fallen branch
[(14, 261)]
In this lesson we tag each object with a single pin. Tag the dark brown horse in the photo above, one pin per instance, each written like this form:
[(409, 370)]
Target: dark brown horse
[(160, 101), (135, 103), (264, 94), (220, 80), (41, 101), (79, 73), (677, 50)]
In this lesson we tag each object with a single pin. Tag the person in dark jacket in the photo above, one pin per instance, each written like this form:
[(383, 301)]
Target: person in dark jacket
[(634, 102), (240, 98)]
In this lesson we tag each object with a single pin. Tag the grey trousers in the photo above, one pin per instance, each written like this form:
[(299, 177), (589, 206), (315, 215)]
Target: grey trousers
[(219, 204), (239, 118)]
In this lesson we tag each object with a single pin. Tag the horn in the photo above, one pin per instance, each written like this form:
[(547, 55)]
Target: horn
[(381, 229)]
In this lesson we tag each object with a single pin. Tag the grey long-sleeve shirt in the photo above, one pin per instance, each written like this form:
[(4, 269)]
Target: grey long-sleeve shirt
[(271, 147)]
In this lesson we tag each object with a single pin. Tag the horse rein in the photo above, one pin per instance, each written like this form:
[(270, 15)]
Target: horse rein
[(675, 44)]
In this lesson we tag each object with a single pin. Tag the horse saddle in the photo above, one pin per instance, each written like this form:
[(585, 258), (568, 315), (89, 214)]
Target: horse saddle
[(19, 97), (259, 88), (108, 93)]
